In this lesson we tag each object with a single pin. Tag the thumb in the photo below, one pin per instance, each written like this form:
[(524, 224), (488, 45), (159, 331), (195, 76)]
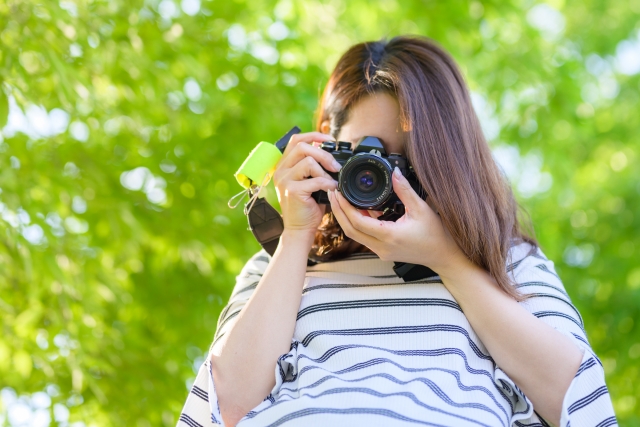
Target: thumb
[(405, 192)]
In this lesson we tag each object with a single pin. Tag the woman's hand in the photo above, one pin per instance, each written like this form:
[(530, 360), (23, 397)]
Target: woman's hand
[(297, 175), (418, 237)]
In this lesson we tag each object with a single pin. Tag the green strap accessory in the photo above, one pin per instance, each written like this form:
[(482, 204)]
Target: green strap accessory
[(262, 160), (265, 222)]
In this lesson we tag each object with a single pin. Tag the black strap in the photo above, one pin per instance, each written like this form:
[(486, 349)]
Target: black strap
[(410, 272), (266, 224), (281, 144)]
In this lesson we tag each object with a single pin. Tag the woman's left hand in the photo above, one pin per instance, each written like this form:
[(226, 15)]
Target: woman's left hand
[(418, 237)]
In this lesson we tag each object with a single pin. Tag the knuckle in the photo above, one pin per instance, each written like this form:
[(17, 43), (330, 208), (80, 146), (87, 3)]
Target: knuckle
[(297, 147), (304, 146), (308, 162), (315, 163)]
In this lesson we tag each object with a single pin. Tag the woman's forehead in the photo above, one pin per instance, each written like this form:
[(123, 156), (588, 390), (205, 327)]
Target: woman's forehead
[(375, 115)]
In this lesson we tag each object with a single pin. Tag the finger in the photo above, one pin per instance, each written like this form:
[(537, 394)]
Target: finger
[(303, 150), (308, 186), (308, 137), (307, 167), (375, 214), (363, 223), (349, 230), (407, 195)]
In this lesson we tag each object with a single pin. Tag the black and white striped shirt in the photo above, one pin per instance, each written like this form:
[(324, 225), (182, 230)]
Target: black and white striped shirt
[(371, 350)]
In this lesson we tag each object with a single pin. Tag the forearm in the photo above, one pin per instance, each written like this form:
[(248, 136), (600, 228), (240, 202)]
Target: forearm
[(540, 360), (243, 361)]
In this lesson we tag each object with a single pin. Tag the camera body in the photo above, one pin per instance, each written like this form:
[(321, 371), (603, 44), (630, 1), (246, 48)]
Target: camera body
[(365, 177)]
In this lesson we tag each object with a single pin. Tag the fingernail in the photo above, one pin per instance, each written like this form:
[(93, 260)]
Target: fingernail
[(337, 165), (397, 173)]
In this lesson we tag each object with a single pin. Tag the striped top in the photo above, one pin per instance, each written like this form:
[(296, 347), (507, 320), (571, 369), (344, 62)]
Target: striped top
[(371, 350)]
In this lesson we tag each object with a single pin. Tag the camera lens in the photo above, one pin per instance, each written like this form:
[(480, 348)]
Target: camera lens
[(365, 181)]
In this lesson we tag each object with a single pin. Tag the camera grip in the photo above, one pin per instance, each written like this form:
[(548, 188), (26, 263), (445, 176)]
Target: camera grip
[(321, 197)]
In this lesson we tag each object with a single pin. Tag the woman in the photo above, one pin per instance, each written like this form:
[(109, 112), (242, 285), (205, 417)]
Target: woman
[(493, 340)]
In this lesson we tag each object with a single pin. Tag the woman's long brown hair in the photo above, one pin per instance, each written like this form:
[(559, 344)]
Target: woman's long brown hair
[(445, 145)]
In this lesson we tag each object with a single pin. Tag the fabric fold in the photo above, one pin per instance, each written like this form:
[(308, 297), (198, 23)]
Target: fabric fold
[(522, 406), (286, 368)]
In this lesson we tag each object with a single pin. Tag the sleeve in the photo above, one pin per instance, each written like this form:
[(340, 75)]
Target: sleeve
[(201, 407), (587, 401)]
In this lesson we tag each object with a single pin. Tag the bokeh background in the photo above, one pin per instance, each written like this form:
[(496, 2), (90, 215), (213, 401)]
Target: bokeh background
[(122, 123)]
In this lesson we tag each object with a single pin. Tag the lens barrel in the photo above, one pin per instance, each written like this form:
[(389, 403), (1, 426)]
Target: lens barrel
[(365, 181)]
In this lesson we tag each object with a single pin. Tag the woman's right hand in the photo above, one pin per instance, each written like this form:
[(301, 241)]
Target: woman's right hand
[(302, 160)]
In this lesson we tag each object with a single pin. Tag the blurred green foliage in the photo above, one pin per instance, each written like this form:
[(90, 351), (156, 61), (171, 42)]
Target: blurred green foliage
[(123, 123)]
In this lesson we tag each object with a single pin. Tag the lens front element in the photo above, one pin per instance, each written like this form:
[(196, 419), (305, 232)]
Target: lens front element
[(365, 181)]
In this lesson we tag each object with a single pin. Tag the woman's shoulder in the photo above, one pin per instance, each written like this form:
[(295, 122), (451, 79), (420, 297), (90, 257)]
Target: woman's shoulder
[(522, 249), (524, 256)]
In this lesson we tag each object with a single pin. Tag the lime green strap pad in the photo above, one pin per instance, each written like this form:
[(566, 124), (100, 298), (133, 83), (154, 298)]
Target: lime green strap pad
[(261, 161)]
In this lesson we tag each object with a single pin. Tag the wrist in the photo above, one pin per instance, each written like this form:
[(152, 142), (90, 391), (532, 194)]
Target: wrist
[(452, 265), (459, 270), (468, 280), (298, 239)]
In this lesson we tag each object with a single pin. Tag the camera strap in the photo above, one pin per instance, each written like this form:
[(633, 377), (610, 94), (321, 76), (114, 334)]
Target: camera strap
[(266, 224)]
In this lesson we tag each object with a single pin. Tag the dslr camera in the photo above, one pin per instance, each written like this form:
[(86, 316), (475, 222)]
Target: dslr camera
[(365, 177)]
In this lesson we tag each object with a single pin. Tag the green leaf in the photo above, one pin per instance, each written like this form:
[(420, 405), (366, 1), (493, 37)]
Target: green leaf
[(4, 106)]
